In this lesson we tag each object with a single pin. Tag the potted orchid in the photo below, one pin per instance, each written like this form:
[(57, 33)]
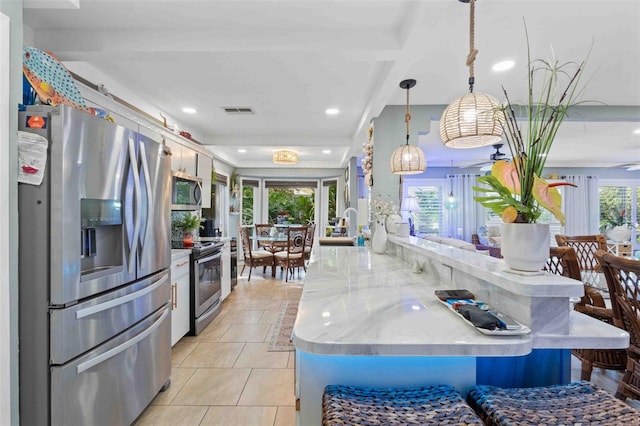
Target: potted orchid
[(516, 190)]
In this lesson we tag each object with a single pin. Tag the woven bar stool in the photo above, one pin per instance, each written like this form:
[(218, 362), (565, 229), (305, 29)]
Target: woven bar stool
[(576, 403), (426, 405)]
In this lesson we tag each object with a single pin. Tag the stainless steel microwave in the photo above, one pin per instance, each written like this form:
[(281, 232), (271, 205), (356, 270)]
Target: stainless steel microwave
[(186, 191)]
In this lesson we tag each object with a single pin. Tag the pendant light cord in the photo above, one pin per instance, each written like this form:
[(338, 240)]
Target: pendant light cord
[(472, 51), (407, 116)]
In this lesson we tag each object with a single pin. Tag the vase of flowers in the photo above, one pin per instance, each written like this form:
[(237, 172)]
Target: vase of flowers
[(380, 237), (381, 209), (515, 190)]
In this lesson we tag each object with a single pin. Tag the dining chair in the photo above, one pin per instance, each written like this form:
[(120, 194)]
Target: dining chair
[(623, 278), (293, 256), (262, 230), (308, 244), (585, 247), (564, 261), (253, 258)]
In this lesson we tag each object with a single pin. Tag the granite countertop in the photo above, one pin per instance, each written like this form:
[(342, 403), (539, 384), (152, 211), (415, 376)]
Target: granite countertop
[(356, 302)]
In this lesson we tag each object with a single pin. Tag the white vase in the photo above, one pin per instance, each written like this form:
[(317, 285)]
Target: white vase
[(619, 234), (525, 246), (392, 222), (379, 240)]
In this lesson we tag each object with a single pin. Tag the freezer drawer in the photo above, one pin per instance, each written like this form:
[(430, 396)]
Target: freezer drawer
[(114, 383), (78, 328)]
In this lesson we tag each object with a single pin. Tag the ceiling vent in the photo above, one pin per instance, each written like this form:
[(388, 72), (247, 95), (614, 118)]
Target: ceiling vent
[(238, 110)]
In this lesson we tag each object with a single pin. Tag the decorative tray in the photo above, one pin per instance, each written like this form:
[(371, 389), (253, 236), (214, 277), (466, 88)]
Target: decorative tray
[(517, 330)]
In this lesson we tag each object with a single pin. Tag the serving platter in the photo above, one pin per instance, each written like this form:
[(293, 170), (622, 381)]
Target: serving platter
[(522, 329)]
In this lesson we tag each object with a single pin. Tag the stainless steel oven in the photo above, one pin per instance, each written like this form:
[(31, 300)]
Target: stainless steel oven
[(206, 284)]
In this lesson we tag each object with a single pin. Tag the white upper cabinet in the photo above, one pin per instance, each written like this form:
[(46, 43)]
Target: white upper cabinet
[(183, 158)]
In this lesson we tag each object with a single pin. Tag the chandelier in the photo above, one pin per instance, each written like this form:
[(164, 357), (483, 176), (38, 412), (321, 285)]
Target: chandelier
[(285, 156), (408, 159), (471, 120)]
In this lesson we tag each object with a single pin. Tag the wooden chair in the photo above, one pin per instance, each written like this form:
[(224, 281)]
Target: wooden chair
[(252, 258), (262, 230), (623, 279), (564, 261), (293, 256), (585, 247), (311, 230)]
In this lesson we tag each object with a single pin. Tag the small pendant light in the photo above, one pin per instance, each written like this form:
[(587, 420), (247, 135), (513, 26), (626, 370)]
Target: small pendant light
[(408, 159), (451, 203), (472, 120)]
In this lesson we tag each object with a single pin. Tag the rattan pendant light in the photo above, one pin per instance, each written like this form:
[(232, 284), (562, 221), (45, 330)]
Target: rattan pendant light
[(408, 159), (471, 121)]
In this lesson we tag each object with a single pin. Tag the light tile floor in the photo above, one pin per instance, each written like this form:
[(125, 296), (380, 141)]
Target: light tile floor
[(226, 376)]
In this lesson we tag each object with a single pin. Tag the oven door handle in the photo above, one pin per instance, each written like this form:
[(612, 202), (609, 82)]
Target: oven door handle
[(206, 259)]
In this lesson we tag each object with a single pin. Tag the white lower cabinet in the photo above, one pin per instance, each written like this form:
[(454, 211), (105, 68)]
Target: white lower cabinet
[(226, 270), (180, 281)]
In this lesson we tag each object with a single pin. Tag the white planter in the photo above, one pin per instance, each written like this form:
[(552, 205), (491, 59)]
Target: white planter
[(525, 246), (379, 240), (619, 234)]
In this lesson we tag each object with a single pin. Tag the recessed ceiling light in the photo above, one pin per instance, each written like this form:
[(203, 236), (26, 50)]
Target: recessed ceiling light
[(636, 132), (326, 151), (503, 65), (242, 150), (189, 110), (332, 111)]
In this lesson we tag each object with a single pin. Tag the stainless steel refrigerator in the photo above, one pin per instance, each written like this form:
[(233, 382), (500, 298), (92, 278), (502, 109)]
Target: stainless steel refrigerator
[(94, 286)]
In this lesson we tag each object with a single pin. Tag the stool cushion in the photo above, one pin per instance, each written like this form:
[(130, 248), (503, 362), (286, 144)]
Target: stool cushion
[(576, 403), (436, 405)]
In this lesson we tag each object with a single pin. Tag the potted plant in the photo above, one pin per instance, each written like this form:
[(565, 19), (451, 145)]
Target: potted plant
[(614, 225), (189, 223), (515, 190)]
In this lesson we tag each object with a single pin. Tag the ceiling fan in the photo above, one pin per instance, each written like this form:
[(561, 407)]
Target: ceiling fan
[(486, 165), (630, 167)]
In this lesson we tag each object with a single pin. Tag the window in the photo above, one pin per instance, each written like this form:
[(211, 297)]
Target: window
[(619, 206), (291, 201), (329, 197), (219, 202), (429, 220), (249, 201)]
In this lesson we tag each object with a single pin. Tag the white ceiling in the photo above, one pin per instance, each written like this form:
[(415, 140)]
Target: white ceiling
[(290, 60)]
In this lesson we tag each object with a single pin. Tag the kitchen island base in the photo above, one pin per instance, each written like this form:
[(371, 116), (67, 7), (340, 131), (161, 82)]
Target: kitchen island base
[(318, 371)]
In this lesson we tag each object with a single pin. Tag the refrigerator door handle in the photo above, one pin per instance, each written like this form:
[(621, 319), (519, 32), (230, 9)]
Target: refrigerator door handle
[(122, 347), (137, 204), (147, 181), (82, 313)]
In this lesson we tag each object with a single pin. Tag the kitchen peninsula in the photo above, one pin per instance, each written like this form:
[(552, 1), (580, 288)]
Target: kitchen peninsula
[(365, 319)]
